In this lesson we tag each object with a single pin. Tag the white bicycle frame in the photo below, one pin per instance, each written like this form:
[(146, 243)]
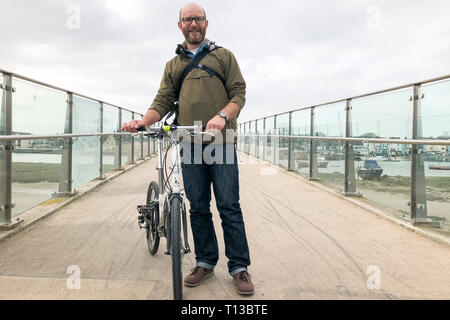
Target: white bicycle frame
[(163, 197)]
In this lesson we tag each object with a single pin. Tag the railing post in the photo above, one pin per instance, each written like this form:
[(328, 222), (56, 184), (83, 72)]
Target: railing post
[(256, 139), (6, 204), (65, 177), (142, 146), (274, 149), (132, 142), (350, 179), (291, 166), (418, 193), (313, 166), (101, 142), (265, 140), (118, 153)]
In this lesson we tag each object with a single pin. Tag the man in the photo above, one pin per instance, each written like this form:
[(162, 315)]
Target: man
[(207, 98)]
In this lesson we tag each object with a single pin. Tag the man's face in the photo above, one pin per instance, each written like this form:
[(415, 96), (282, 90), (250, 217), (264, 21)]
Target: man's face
[(193, 32)]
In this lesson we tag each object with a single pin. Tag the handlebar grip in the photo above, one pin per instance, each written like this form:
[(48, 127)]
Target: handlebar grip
[(141, 128)]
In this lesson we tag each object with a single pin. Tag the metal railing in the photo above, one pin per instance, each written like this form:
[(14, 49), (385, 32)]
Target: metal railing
[(62, 143), (270, 139)]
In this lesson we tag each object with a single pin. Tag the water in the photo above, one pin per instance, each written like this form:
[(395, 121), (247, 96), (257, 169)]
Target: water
[(401, 168), (55, 158)]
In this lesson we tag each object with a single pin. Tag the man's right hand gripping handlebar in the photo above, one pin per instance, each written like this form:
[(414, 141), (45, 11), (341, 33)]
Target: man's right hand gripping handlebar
[(133, 126)]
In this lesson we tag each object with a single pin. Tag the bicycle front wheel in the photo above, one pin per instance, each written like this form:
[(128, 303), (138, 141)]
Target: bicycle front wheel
[(176, 248)]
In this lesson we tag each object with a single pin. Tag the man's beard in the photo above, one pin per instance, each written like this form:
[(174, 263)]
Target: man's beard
[(194, 41)]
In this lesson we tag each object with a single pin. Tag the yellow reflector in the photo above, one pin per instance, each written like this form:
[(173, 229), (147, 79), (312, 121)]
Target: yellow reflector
[(166, 128)]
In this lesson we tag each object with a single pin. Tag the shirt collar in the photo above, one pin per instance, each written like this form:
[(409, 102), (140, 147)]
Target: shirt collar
[(202, 47)]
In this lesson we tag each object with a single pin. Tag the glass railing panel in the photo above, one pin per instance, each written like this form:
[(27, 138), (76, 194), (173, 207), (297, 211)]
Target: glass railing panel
[(36, 164), (35, 175), (85, 150), (387, 115), (282, 129), (385, 180), (301, 126), (137, 147), (126, 139), (434, 123), (137, 142), (268, 143), (110, 143), (146, 147), (329, 160), (259, 131), (37, 109), (246, 138), (252, 145), (240, 139)]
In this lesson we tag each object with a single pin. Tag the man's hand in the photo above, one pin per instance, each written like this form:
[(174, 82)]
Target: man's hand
[(216, 124), (132, 125)]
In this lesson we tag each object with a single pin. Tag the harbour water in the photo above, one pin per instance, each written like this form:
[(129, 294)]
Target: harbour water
[(55, 158)]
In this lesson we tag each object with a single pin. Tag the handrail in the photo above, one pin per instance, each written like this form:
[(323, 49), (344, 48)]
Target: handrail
[(364, 140), (357, 97), (342, 139), (59, 136), (18, 76)]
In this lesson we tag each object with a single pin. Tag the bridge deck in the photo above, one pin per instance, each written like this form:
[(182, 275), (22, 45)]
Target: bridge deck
[(305, 243)]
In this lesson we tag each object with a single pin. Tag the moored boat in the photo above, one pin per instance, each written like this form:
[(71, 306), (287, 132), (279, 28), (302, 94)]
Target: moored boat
[(370, 170)]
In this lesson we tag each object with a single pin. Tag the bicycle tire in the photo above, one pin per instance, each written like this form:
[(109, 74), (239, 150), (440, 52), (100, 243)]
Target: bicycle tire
[(152, 234), (176, 248)]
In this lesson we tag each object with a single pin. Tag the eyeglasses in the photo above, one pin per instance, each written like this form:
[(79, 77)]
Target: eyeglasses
[(188, 20)]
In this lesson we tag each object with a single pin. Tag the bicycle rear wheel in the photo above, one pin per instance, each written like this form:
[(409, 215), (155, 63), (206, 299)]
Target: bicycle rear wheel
[(176, 248), (153, 220)]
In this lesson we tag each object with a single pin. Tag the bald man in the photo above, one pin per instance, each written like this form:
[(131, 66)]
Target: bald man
[(215, 95)]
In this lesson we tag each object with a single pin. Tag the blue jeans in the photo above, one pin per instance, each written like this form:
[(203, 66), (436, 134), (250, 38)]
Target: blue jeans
[(198, 175)]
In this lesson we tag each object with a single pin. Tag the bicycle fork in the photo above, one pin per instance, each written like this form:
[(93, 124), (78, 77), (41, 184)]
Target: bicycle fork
[(186, 248)]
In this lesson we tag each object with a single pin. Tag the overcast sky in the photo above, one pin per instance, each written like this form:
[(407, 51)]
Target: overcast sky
[(292, 53)]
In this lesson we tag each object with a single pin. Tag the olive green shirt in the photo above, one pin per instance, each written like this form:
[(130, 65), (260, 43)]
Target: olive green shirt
[(202, 95)]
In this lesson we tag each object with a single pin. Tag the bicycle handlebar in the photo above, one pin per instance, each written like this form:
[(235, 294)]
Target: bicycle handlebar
[(169, 128)]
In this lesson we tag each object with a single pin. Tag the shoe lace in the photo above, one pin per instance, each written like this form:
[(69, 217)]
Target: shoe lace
[(244, 276), (194, 270)]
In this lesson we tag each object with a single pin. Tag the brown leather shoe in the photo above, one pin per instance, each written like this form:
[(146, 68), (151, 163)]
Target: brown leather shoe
[(243, 283), (197, 276)]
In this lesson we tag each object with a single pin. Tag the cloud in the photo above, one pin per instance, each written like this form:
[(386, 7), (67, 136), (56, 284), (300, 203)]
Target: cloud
[(292, 53)]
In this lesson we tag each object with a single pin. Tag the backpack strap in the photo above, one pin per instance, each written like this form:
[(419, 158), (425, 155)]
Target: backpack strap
[(195, 63)]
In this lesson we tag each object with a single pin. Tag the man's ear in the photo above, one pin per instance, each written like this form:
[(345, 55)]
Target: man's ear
[(179, 25)]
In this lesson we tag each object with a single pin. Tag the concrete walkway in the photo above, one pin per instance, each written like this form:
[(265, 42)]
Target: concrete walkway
[(305, 244)]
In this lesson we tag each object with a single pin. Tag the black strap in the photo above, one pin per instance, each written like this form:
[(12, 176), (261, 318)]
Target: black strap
[(195, 63), (213, 73)]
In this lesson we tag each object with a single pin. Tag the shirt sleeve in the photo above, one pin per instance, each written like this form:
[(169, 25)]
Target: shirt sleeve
[(163, 102)]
